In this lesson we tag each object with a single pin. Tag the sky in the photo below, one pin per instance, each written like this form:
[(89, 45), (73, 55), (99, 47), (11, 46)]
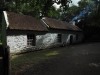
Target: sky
[(73, 2)]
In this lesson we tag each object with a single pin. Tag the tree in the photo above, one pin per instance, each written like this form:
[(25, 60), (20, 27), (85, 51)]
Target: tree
[(35, 7), (72, 12), (54, 13), (83, 3), (90, 23)]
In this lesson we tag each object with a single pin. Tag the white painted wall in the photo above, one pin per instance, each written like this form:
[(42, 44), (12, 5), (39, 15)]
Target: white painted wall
[(80, 38), (46, 41), (66, 38), (18, 43)]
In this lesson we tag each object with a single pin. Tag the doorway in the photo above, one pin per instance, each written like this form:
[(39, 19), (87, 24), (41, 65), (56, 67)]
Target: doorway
[(71, 39)]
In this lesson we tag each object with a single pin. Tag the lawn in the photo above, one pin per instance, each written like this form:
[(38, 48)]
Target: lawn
[(24, 61)]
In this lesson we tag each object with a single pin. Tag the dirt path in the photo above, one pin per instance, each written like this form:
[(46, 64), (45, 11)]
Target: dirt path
[(81, 59)]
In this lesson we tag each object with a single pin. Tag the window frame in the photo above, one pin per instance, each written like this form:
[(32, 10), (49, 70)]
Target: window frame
[(59, 38), (31, 40)]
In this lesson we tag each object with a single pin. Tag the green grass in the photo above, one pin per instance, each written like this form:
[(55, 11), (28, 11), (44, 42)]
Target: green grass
[(18, 62)]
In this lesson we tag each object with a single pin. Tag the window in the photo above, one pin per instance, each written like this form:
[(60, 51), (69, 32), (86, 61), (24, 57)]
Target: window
[(31, 40), (59, 38)]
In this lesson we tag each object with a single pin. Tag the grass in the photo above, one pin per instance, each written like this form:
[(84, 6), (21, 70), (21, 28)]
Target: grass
[(20, 62)]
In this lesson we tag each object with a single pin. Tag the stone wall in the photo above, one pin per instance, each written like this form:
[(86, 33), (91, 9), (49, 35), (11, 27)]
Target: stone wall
[(66, 38), (18, 43), (46, 41)]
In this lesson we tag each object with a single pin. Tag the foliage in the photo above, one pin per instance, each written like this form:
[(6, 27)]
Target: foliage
[(53, 13), (71, 12), (75, 10), (94, 17), (91, 23), (36, 8), (82, 3)]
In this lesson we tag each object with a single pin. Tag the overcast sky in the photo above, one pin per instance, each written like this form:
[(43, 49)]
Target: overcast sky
[(73, 2)]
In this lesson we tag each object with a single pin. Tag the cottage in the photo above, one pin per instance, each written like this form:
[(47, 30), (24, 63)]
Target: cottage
[(66, 33), (26, 33), (22, 31)]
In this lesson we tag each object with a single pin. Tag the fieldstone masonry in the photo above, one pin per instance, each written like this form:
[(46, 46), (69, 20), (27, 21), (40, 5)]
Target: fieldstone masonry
[(18, 43)]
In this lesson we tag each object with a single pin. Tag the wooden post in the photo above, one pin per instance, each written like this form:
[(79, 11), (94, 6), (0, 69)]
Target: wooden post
[(1, 60), (3, 47), (3, 31), (6, 60), (4, 64)]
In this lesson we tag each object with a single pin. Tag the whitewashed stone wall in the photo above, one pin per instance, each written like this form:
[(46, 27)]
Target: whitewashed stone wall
[(80, 38), (74, 38), (16, 43), (46, 41), (66, 38)]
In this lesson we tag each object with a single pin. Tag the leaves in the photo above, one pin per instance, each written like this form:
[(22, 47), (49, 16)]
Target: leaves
[(36, 7)]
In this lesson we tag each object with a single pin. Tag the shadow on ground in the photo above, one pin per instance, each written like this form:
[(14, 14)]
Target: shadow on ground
[(82, 59)]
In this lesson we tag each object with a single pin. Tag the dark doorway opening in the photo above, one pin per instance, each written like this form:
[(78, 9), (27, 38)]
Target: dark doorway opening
[(71, 39)]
